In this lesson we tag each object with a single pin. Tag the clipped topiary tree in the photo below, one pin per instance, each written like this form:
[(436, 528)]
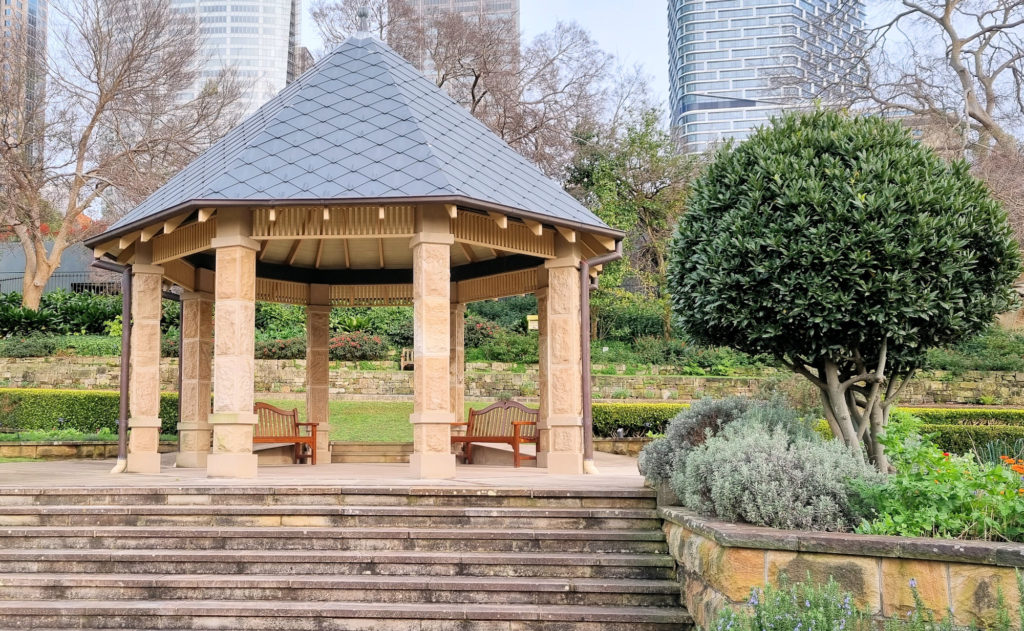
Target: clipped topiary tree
[(845, 249)]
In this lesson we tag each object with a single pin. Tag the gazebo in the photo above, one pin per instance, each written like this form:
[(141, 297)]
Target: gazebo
[(361, 184)]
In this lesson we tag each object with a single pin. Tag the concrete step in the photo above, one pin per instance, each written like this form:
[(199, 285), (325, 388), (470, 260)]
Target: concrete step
[(330, 516), (340, 562), (329, 496), (348, 588), (334, 616), (269, 538), (370, 452)]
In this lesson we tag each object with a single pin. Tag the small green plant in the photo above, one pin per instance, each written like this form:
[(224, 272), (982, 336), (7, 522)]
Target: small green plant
[(987, 399), (621, 393), (940, 494)]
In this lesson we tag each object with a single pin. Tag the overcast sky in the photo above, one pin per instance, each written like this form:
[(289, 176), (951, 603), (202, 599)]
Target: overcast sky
[(635, 31)]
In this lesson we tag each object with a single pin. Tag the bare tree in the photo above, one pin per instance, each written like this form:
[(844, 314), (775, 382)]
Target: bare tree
[(955, 67), (110, 126), (534, 96)]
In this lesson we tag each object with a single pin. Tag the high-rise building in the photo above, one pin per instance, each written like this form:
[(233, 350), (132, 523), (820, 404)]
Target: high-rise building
[(24, 42), (733, 64), (470, 9), (259, 39)]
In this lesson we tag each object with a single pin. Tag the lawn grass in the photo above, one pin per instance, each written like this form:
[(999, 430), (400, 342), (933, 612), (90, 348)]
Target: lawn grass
[(4, 459), (366, 421)]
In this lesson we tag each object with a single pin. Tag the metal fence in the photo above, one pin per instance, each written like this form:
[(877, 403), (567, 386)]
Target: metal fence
[(95, 282)]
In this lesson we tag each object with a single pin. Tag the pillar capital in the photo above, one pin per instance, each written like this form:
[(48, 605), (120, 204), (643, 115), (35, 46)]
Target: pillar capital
[(145, 268), (235, 240), (439, 238)]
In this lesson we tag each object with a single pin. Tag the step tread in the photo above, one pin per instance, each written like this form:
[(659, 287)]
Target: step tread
[(309, 581), (336, 532), (313, 489), (343, 556), (286, 509), (343, 609)]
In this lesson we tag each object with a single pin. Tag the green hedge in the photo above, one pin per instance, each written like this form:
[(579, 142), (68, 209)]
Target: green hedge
[(636, 419), (962, 439), (83, 410), (968, 416)]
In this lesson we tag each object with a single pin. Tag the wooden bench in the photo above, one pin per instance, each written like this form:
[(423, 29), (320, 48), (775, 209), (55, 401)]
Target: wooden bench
[(407, 361), (282, 426), (504, 422)]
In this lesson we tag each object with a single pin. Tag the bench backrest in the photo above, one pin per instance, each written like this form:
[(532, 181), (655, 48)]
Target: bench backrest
[(275, 421), (496, 420)]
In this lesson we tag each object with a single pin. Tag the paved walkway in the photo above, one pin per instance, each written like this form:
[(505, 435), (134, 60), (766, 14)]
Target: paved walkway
[(616, 472)]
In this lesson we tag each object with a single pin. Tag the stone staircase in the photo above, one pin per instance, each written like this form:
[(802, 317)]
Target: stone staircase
[(318, 558)]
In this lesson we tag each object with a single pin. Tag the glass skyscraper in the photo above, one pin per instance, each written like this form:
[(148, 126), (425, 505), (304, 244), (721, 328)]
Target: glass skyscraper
[(258, 38), (733, 64)]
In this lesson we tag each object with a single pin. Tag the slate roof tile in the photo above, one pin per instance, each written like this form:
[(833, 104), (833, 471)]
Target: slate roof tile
[(363, 123)]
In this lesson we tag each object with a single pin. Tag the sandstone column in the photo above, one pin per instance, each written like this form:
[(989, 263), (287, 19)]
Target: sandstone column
[(432, 413), (318, 317), (144, 378), (457, 355), (234, 339), (561, 419), (194, 432)]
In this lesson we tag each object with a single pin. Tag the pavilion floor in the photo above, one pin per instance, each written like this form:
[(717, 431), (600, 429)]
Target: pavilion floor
[(616, 472)]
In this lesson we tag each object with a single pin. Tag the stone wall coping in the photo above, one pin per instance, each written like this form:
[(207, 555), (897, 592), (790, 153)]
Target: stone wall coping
[(69, 443), (181, 487), (925, 548)]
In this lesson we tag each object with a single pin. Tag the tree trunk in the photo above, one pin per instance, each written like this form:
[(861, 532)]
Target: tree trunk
[(38, 270)]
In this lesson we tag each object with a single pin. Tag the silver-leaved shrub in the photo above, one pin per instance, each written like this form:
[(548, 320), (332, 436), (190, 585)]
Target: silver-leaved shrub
[(772, 476)]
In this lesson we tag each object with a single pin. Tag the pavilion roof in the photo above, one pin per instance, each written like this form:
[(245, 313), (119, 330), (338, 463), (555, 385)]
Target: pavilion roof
[(363, 125)]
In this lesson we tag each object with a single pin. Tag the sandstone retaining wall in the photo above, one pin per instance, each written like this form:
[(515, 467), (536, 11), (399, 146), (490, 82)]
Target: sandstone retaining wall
[(488, 381), (64, 449), (720, 563)]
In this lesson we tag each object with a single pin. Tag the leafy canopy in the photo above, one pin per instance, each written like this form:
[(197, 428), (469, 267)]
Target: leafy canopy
[(825, 234)]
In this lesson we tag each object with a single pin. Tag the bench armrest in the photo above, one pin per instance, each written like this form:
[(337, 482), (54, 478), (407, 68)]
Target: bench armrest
[(524, 422), (461, 423), (301, 424)]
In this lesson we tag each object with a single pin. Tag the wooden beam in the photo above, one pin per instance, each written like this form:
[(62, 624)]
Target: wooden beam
[(263, 250), (205, 214), (126, 254), (344, 248), (468, 250), (536, 227), (172, 224), (104, 248), (128, 239), (568, 234), (453, 210), (380, 251), (500, 219), (294, 251), (149, 232), (607, 243), (319, 253)]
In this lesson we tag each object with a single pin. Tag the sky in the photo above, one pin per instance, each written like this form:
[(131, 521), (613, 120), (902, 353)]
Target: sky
[(635, 31)]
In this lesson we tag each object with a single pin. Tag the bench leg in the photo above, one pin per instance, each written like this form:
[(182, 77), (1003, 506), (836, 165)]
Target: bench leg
[(469, 453), (515, 453)]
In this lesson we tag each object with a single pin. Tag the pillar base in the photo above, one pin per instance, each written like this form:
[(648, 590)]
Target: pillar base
[(191, 459), (432, 465), (143, 462), (560, 463), (231, 465), (323, 446)]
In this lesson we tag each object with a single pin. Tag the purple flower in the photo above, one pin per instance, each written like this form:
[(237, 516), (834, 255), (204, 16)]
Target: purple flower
[(913, 584)]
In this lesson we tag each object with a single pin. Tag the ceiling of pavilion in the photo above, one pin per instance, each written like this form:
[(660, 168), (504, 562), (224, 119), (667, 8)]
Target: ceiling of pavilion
[(362, 124)]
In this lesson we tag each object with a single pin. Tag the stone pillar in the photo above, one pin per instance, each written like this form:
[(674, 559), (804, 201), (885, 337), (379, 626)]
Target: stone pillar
[(542, 367), (432, 412), (318, 325), (561, 418), (144, 378), (457, 367), (234, 339), (194, 431)]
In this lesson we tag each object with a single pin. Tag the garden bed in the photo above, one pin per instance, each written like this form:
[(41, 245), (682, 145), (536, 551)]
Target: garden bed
[(722, 562)]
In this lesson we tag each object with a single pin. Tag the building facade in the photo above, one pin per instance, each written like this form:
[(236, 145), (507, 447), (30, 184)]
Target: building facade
[(259, 39), (24, 41), (733, 64)]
